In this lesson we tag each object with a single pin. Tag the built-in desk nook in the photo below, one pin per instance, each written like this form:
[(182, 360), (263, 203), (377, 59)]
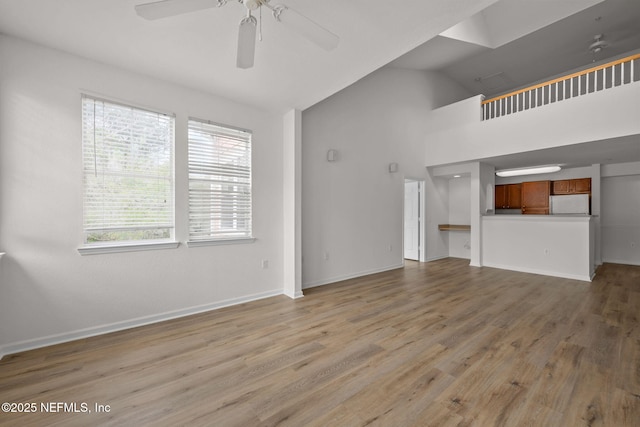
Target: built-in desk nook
[(454, 227)]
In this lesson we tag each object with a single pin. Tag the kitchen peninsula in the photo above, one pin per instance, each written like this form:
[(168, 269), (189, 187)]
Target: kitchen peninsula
[(527, 234), (561, 246)]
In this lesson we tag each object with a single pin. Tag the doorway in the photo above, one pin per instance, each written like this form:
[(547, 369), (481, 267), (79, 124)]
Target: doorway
[(412, 219)]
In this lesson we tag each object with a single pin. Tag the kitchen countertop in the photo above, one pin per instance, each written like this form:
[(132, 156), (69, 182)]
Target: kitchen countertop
[(563, 217)]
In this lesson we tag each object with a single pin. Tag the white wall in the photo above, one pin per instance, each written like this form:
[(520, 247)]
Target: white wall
[(352, 208), (437, 212), (549, 245), (620, 222), (459, 213), (48, 292), (463, 137)]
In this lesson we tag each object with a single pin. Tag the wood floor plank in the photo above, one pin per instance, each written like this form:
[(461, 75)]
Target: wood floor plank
[(432, 344), (591, 396), (558, 378), (629, 356), (624, 409), (504, 399)]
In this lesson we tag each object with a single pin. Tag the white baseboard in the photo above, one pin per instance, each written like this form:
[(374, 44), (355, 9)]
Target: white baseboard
[(621, 261), (127, 324), (349, 276), (296, 295), (586, 278), (436, 258)]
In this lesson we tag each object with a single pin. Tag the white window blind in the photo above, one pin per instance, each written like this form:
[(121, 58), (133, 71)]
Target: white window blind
[(219, 182), (128, 173)]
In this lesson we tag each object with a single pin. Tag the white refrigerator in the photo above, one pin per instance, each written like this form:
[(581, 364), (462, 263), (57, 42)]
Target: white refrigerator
[(573, 204)]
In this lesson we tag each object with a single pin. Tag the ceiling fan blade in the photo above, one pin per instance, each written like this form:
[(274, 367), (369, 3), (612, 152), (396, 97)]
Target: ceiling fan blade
[(306, 27), (165, 8), (246, 42)]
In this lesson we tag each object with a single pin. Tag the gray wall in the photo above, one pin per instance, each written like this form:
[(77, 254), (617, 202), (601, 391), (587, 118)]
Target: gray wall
[(352, 208)]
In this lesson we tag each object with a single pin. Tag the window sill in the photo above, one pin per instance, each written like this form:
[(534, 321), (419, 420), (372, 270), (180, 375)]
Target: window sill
[(237, 241), (132, 247)]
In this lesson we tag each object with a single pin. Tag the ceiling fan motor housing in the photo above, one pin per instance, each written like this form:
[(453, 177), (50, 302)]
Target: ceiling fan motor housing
[(252, 4), (598, 44)]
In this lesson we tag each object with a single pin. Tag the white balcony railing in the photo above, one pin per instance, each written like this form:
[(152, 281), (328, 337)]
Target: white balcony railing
[(616, 73)]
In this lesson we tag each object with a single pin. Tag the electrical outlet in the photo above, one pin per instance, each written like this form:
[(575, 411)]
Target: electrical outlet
[(390, 248), (265, 263), (633, 244), (547, 251), (326, 256)]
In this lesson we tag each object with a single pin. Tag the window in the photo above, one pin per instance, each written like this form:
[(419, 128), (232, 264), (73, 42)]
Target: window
[(219, 182), (128, 174)]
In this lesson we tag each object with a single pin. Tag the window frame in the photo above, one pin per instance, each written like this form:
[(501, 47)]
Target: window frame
[(90, 248), (213, 241)]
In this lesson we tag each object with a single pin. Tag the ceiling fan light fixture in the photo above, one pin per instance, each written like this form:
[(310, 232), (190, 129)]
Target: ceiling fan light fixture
[(528, 171), (252, 4)]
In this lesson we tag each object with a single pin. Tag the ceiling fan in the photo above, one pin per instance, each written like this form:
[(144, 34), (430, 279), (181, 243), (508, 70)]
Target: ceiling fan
[(248, 25), (598, 43), (597, 46)]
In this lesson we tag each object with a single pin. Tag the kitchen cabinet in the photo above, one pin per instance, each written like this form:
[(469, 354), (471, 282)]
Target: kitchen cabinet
[(571, 186), (508, 196), (535, 197), (501, 197), (582, 186)]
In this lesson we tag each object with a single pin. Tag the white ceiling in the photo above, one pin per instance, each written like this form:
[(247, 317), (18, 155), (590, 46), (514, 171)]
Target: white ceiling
[(609, 151), (198, 49), (554, 48)]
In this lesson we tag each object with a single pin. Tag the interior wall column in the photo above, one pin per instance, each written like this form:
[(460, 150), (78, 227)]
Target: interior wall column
[(292, 203), (476, 220), (482, 182), (596, 181)]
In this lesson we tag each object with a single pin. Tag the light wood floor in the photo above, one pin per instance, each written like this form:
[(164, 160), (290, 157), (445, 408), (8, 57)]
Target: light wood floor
[(436, 344)]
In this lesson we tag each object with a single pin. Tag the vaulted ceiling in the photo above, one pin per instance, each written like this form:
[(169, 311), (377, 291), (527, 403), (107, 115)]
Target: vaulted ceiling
[(198, 49), (487, 46), (553, 49)]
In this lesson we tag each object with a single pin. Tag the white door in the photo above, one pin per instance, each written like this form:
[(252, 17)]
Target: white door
[(412, 220)]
